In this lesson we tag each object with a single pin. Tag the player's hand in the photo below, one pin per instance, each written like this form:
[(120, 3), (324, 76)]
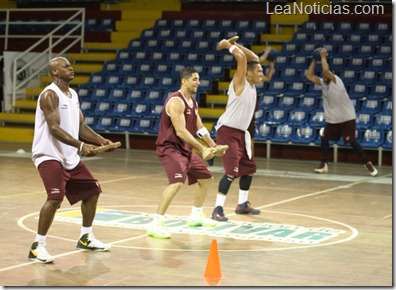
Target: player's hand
[(208, 153), (220, 150)]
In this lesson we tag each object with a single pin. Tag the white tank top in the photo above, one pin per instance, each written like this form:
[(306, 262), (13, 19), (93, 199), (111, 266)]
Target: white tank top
[(240, 109), (47, 147), (337, 105)]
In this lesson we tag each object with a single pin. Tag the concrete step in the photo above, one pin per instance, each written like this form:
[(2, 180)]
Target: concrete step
[(78, 80), (213, 100), (124, 37), (87, 67), (17, 118), (133, 25), (104, 46), (210, 113), (25, 105), (141, 15), (23, 135), (170, 5), (91, 57)]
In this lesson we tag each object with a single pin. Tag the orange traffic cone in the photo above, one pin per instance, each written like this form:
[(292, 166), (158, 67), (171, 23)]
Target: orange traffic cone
[(213, 269)]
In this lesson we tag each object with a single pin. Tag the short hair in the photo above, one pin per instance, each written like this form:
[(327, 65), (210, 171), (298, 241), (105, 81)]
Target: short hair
[(187, 72), (252, 64)]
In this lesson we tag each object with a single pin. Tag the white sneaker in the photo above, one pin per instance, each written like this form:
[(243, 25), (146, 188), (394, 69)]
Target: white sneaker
[(199, 219), (39, 253), (322, 168), (158, 230), (89, 242), (371, 169)]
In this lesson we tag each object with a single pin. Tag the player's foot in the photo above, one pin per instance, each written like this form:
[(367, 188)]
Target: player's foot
[(199, 219), (244, 208), (323, 168), (89, 242), (158, 230), (39, 253), (371, 169), (218, 214)]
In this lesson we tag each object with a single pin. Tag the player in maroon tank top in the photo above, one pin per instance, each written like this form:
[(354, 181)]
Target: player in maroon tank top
[(175, 143)]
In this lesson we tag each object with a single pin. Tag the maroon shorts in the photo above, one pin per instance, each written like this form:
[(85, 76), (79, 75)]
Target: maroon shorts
[(77, 184), (235, 161), (347, 130), (178, 167)]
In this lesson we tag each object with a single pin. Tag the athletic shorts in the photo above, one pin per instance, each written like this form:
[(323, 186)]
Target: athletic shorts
[(77, 184), (236, 162), (347, 130), (178, 167)]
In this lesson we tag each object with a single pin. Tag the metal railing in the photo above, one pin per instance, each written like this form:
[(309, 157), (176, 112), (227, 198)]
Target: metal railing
[(75, 23)]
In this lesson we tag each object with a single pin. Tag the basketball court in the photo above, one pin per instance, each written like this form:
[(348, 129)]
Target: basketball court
[(317, 230)]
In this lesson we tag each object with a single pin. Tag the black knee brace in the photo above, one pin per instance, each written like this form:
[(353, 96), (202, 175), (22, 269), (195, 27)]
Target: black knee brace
[(225, 183), (245, 181)]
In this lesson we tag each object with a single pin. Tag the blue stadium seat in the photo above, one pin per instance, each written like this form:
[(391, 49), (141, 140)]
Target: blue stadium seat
[(130, 81), (303, 134), (84, 92), (387, 105), (140, 56), (287, 101), (148, 34), (345, 27), (174, 57), (317, 118), (356, 63), (136, 44), (327, 26), (99, 93), (127, 68), (298, 116), (380, 90), (372, 137), (363, 27), (356, 38), (368, 76), (90, 120), (162, 23), (87, 106), (200, 68), (260, 26), (117, 94), (121, 108), (276, 87), (386, 77), (242, 25), (96, 80), (283, 133), (358, 90), (177, 24), (103, 108), (123, 55), (205, 85), (364, 119), (110, 67), (384, 120), (377, 63), (299, 62), (123, 124), (166, 83), (162, 69), (209, 24), (193, 24), (383, 50), (308, 102), (113, 80), (156, 110), (366, 50), (105, 123), (225, 24), (371, 104), (346, 49), (215, 72), (299, 37), (349, 76), (215, 36), (290, 48), (263, 132), (337, 38), (288, 74), (140, 109), (135, 95), (296, 88), (106, 24), (282, 61), (155, 96), (382, 28), (388, 141), (267, 101), (143, 125), (277, 115), (309, 26), (164, 34), (313, 90), (157, 58)]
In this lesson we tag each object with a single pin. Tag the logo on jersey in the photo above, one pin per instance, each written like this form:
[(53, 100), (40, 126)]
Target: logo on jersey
[(178, 175)]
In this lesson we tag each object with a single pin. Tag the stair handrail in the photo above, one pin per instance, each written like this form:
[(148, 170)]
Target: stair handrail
[(50, 37)]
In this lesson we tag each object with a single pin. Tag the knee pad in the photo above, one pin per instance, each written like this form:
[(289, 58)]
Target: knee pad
[(245, 181), (225, 183)]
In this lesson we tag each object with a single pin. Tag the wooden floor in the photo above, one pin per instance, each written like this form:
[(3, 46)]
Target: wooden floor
[(314, 230)]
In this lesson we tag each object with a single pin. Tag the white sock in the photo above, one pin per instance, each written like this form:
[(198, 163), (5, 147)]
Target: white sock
[(220, 200), (85, 230), (196, 210), (40, 238), (243, 196)]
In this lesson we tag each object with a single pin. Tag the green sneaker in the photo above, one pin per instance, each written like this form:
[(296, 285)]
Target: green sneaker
[(158, 230), (200, 220)]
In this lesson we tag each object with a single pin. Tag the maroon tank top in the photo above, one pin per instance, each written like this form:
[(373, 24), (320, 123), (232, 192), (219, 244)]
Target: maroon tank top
[(167, 134)]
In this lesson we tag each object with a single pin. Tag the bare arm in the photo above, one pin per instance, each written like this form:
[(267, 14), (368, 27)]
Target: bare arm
[(90, 135), (49, 103), (175, 109), (208, 140), (241, 59), (311, 73), (325, 66)]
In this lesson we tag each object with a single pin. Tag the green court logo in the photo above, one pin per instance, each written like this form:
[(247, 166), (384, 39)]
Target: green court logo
[(265, 231)]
